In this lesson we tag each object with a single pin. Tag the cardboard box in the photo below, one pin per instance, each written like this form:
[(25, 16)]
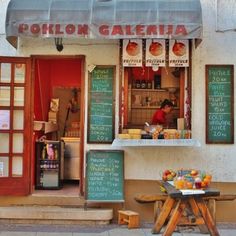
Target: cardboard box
[(52, 116)]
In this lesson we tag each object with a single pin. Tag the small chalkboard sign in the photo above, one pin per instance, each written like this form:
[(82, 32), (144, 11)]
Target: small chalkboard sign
[(105, 176), (219, 104), (101, 105)]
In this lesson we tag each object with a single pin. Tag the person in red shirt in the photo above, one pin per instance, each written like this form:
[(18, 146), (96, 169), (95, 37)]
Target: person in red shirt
[(159, 117)]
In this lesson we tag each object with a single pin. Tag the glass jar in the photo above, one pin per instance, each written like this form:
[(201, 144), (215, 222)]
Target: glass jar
[(149, 84), (137, 84), (143, 84)]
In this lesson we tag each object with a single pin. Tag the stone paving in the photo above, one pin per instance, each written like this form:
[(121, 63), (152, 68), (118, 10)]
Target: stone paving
[(105, 230)]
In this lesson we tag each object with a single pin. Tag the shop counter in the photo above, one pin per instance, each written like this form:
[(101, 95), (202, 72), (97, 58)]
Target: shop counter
[(155, 142)]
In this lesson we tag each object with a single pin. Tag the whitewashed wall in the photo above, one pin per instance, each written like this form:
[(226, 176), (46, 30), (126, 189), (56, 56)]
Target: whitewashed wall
[(5, 48), (147, 163)]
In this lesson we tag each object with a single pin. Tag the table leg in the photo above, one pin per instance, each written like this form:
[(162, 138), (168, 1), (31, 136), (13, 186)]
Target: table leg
[(207, 217), (197, 213), (175, 217), (166, 209), (157, 209)]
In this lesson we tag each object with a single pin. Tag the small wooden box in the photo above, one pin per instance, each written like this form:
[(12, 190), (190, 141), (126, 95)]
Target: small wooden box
[(128, 217)]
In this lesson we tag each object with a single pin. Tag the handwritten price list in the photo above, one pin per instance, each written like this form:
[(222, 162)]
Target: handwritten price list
[(101, 106), (219, 104), (104, 176)]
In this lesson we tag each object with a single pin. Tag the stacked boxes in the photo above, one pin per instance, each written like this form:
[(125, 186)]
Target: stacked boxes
[(135, 133), (52, 116), (131, 134), (53, 112)]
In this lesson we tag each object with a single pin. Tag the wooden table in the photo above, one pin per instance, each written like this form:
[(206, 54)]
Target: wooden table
[(175, 205)]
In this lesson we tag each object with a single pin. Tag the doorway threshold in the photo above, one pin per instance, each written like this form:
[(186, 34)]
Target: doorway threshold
[(69, 189)]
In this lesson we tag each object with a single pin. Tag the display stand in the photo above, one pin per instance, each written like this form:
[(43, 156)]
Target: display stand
[(48, 164)]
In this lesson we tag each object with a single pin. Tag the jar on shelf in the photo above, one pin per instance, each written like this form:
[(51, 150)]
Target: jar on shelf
[(149, 84), (137, 84), (157, 81), (143, 84)]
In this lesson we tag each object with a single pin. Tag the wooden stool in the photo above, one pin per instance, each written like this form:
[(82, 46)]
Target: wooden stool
[(130, 217)]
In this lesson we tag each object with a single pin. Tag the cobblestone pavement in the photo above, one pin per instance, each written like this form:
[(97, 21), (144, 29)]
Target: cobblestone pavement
[(105, 230)]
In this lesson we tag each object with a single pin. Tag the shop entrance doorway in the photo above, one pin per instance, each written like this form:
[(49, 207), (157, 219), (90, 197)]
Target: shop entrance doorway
[(59, 105)]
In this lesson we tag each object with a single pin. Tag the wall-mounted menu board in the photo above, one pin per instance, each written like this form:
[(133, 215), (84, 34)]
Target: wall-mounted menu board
[(105, 176), (101, 105), (219, 104)]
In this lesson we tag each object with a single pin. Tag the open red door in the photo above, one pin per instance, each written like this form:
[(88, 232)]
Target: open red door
[(15, 125)]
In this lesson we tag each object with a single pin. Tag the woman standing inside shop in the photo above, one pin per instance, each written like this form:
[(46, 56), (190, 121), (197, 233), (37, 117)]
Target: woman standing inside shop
[(159, 117)]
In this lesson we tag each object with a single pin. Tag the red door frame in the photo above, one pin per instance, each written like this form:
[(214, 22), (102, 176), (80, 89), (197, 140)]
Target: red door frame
[(82, 107)]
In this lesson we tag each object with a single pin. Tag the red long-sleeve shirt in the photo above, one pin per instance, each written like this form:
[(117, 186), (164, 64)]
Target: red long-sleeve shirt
[(159, 117)]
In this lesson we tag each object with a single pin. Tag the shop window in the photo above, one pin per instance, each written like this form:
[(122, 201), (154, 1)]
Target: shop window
[(147, 89), (5, 73), (4, 164), (19, 96), (4, 147), (19, 73), (18, 140), (17, 166), (5, 95), (18, 120)]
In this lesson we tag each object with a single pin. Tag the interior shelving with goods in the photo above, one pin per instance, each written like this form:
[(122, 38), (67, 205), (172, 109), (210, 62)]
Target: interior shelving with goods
[(49, 162), (144, 99)]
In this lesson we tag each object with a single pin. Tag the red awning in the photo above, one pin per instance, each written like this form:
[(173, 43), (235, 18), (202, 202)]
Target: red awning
[(107, 19)]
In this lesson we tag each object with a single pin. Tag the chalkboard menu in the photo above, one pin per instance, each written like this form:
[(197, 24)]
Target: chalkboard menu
[(105, 176), (219, 104), (101, 105)]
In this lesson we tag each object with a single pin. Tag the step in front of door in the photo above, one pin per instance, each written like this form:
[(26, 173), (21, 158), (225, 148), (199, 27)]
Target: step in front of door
[(55, 215)]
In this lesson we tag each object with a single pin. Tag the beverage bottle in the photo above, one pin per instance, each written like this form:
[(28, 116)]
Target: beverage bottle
[(143, 84), (43, 154), (137, 84), (149, 84)]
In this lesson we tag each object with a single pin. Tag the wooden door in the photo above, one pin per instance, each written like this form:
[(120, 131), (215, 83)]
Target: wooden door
[(15, 126)]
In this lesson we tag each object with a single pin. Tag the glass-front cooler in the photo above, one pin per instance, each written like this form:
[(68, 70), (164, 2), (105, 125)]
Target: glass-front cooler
[(49, 162)]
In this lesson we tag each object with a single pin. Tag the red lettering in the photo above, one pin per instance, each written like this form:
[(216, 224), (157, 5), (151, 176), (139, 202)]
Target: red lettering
[(169, 29), (70, 29), (117, 29), (139, 29), (83, 29), (22, 28), (180, 29), (58, 29), (151, 29), (128, 30), (104, 29), (35, 29), (161, 29), (47, 29)]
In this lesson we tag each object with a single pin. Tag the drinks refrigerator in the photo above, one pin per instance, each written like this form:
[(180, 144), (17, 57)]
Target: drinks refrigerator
[(49, 164)]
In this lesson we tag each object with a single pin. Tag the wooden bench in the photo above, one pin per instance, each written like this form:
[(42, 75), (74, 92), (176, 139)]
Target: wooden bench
[(159, 199), (128, 217)]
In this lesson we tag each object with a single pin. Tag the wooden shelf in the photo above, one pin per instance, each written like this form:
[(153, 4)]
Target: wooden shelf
[(150, 90)]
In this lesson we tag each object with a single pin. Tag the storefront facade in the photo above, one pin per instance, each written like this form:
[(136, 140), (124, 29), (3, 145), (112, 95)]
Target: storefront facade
[(142, 165)]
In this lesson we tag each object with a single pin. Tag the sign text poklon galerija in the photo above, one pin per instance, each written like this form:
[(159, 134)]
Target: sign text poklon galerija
[(102, 31)]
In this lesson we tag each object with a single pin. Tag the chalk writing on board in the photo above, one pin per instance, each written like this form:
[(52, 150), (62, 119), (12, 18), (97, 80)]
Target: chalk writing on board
[(101, 115), (104, 176), (219, 104)]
